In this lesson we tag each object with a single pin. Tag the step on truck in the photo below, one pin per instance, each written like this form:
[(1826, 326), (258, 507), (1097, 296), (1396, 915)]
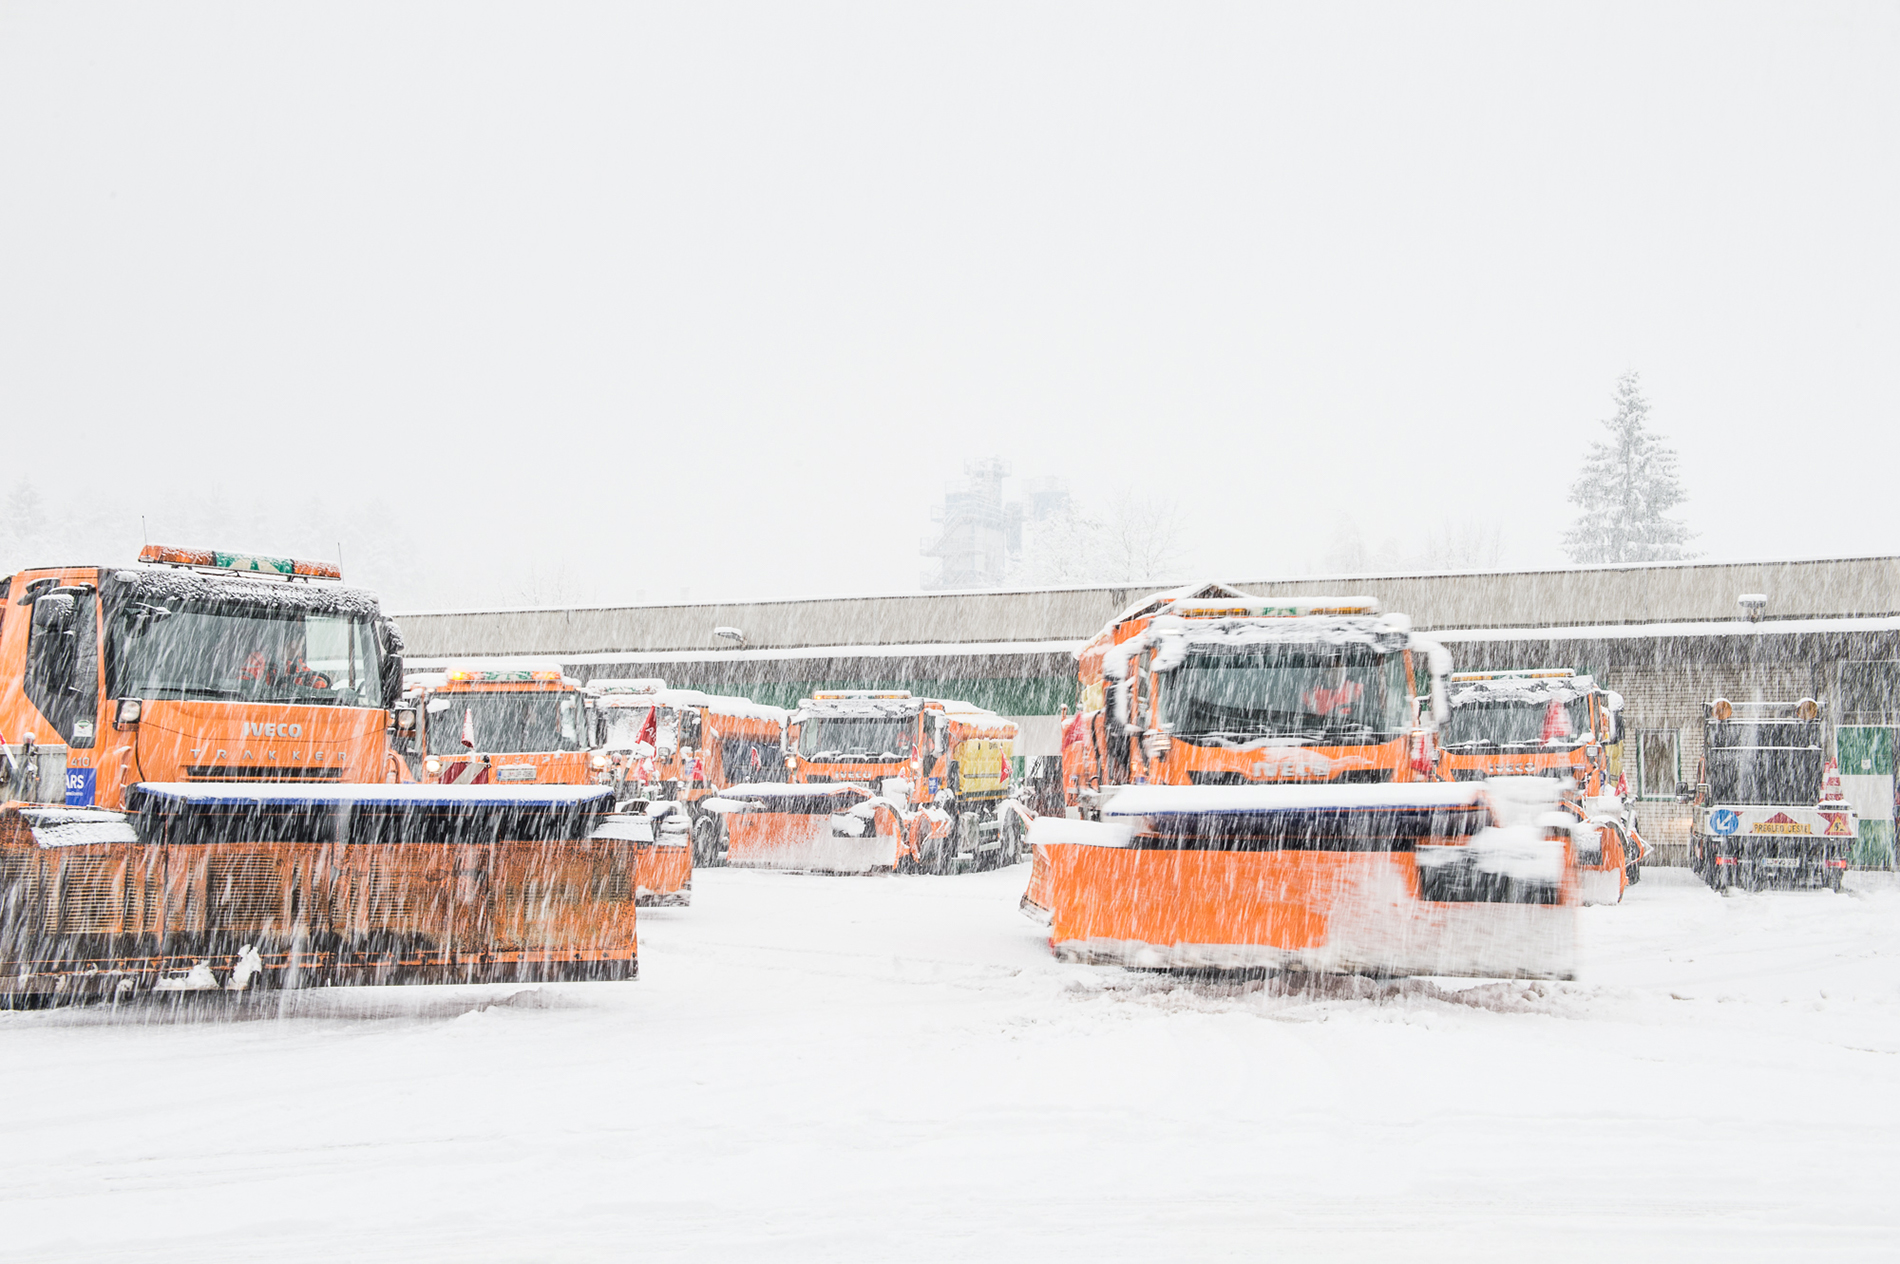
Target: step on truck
[(1554, 724), (1769, 811), (879, 779), (202, 753), (1253, 783)]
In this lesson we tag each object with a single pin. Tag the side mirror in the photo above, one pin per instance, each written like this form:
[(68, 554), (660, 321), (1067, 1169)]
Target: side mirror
[(1683, 793), (389, 643)]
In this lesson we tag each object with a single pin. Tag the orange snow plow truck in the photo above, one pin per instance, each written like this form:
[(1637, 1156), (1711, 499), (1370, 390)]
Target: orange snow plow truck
[(684, 746), (201, 796), (878, 779), (1552, 724), (481, 724), (513, 723), (1252, 783)]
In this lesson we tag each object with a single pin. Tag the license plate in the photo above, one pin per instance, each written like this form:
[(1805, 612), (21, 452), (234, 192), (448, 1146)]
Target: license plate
[(1779, 862), (515, 772)]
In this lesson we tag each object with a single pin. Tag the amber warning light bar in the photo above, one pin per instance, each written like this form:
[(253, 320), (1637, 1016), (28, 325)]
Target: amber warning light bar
[(213, 559), (504, 677)]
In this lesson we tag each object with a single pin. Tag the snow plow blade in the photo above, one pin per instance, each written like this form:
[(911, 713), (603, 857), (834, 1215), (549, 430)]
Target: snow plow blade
[(821, 827), (1368, 879), (238, 886)]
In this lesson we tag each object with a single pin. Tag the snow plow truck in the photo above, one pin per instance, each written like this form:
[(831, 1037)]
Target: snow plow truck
[(1553, 724), (515, 723), (1252, 783), (878, 779), (202, 763), (1769, 811), (499, 725), (685, 746)]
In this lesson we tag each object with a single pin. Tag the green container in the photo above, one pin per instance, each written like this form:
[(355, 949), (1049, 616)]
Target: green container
[(1865, 755)]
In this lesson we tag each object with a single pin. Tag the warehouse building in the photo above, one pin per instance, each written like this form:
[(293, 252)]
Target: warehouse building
[(1668, 636)]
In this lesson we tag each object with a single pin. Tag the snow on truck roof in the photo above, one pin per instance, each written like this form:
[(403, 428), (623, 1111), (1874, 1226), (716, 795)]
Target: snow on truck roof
[(185, 586), (718, 703), (1548, 685)]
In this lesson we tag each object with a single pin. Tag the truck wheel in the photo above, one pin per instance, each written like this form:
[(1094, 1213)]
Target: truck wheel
[(706, 842), (1009, 828)]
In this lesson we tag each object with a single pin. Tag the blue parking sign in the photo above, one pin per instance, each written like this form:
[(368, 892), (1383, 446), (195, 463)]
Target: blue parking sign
[(79, 786)]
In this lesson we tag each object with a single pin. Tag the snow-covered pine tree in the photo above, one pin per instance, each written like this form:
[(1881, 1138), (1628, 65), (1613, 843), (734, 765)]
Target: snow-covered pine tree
[(1626, 490)]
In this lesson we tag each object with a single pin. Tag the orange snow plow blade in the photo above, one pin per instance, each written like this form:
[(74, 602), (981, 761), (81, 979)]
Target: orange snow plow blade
[(663, 852), (831, 827), (1376, 879), (235, 886)]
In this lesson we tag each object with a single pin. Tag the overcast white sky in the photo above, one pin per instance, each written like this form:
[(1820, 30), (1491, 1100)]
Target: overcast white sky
[(723, 296)]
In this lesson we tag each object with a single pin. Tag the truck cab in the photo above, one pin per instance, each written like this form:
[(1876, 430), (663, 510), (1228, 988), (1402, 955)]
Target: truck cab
[(1219, 690), (1546, 722), (495, 725), (196, 665), (1767, 811)]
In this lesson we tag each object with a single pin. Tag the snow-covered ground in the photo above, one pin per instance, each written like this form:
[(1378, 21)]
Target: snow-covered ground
[(894, 1069)]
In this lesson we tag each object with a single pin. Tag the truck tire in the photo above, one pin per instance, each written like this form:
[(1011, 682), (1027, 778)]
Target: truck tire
[(706, 842), (1009, 829)]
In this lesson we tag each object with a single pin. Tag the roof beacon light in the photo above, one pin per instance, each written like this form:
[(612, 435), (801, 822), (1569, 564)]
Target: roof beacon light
[(627, 684), (1722, 708), (213, 559), (470, 677), (1807, 709)]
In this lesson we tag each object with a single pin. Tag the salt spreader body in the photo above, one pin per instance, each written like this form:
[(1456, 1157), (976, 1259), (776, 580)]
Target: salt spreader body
[(1252, 783)]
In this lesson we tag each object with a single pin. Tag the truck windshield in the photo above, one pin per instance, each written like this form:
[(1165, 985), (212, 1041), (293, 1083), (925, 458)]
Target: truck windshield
[(856, 739), (1765, 763), (505, 723), (1517, 723), (624, 726), (228, 653), (1347, 695)]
